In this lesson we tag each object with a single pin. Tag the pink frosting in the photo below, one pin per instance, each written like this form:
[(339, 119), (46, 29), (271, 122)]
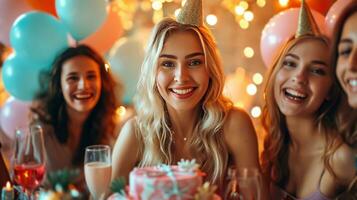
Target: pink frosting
[(151, 183)]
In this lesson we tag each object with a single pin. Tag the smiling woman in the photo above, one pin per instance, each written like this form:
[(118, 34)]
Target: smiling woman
[(181, 111), (77, 107)]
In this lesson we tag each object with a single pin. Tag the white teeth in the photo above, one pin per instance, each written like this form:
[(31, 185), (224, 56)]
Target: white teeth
[(82, 96), (295, 93), (352, 82), (182, 91)]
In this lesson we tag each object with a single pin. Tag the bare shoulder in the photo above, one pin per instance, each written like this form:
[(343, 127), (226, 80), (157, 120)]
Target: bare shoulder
[(238, 122), (342, 164), (126, 144), (240, 138)]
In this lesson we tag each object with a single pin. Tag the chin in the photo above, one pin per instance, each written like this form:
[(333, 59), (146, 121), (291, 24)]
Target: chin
[(352, 102)]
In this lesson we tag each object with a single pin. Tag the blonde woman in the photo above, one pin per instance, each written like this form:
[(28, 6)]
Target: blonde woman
[(181, 112), (304, 156)]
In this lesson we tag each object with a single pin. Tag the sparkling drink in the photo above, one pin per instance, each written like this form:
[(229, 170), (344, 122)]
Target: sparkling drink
[(98, 176), (29, 176)]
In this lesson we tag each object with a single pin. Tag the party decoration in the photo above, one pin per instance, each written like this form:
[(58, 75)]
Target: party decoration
[(125, 59), (317, 5), (191, 13), (38, 37), (306, 23), (9, 11), (335, 10), (44, 5), (81, 17), (14, 113), (21, 77), (111, 30), (279, 29)]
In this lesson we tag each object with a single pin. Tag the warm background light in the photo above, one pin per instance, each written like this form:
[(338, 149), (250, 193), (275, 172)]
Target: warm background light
[(251, 89), (258, 78), (248, 52), (211, 19), (261, 3), (249, 16), (283, 3), (256, 111), (243, 24)]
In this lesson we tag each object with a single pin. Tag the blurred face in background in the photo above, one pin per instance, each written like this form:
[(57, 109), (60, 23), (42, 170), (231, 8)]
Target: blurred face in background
[(347, 59), (81, 84)]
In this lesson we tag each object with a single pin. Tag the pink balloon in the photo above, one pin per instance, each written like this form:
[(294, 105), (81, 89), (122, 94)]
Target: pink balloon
[(279, 29), (104, 38), (14, 114), (9, 11), (334, 12)]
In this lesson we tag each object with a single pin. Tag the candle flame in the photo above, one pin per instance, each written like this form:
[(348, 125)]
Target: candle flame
[(8, 185)]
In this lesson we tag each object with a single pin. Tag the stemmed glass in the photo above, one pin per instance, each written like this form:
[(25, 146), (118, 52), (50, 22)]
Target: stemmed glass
[(29, 158), (98, 170), (245, 184)]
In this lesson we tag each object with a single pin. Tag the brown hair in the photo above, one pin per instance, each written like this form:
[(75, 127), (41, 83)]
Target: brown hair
[(275, 154), (347, 115)]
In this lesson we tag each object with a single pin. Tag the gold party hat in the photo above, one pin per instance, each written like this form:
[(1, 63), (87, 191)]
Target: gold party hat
[(306, 24), (191, 13)]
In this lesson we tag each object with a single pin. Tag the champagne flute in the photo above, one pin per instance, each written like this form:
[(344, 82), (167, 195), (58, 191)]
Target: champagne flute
[(29, 158), (244, 184), (98, 170)]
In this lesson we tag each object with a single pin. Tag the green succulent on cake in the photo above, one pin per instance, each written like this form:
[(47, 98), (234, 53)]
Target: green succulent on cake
[(62, 186), (118, 186), (62, 179)]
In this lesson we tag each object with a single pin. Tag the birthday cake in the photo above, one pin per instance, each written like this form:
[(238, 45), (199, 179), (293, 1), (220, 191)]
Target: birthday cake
[(165, 182)]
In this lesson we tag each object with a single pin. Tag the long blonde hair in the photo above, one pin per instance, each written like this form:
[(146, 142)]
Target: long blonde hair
[(153, 120), (275, 154)]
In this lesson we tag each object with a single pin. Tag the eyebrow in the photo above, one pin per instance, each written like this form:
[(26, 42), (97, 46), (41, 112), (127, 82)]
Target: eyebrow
[(314, 61), (76, 73), (292, 55), (319, 62), (345, 40), (175, 57)]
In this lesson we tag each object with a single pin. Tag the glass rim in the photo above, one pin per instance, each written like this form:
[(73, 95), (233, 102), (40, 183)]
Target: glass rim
[(97, 147)]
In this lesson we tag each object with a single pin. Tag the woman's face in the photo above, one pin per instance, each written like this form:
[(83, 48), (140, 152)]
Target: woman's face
[(81, 83), (182, 78), (347, 59), (304, 78)]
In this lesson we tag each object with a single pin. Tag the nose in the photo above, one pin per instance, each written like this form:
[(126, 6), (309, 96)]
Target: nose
[(181, 73), (82, 83), (352, 64), (300, 77)]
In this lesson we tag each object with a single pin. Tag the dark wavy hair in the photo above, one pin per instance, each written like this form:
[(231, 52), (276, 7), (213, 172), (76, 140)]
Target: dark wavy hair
[(347, 116), (100, 125)]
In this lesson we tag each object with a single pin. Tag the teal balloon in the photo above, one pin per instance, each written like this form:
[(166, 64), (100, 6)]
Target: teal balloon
[(38, 37), (21, 77), (81, 17), (125, 60)]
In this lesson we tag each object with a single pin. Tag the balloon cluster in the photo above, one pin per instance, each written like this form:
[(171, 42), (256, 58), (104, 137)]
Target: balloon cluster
[(283, 26), (37, 38)]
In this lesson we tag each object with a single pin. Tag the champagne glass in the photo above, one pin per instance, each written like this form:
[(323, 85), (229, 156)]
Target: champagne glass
[(98, 170), (29, 158), (244, 184)]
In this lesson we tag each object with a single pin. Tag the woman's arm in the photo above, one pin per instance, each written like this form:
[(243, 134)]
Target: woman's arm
[(125, 152), (241, 141)]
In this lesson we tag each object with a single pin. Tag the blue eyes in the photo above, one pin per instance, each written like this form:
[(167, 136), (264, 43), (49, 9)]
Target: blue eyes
[(191, 63)]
